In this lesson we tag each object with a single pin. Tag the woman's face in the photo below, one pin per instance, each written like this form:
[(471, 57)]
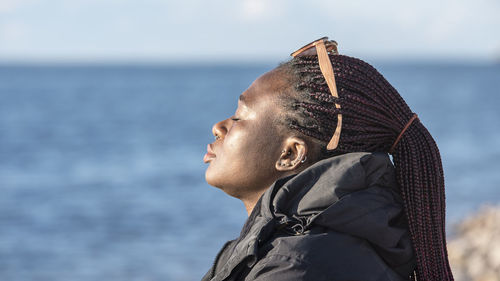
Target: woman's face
[(242, 161)]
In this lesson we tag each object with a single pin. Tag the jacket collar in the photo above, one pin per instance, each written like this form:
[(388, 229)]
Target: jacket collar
[(353, 193)]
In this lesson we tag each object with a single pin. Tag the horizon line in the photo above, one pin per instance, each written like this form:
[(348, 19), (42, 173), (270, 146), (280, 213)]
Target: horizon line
[(231, 62)]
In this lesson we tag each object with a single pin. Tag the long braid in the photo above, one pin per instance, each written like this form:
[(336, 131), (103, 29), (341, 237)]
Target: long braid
[(373, 115)]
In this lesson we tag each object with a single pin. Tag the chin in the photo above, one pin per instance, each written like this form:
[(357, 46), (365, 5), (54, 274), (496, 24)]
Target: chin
[(217, 180), (211, 178)]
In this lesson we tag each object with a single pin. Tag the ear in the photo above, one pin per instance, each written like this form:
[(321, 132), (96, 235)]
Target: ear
[(293, 154)]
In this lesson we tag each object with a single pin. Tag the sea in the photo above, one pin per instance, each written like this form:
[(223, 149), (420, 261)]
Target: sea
[(101, 171)]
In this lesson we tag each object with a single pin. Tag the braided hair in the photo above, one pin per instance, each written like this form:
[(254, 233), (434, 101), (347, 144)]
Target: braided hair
[(373, 115)]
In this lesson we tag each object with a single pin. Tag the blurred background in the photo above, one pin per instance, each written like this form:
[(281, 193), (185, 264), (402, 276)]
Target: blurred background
[(106, 107)]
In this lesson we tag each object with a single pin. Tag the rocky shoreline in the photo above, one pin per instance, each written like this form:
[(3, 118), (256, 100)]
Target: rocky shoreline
[(474, 248)]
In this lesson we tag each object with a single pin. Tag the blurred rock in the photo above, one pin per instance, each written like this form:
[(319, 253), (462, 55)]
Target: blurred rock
[(474, 249)]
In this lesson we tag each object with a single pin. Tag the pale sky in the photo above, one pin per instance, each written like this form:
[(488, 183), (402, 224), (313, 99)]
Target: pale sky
[(245, 30)]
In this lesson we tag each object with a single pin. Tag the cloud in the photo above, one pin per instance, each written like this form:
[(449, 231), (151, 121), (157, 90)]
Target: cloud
[(8, 6), (254, 9), (257, 10), (13, 31), (255, 28)]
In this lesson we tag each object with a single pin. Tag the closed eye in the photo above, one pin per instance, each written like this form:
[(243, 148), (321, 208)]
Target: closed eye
[(235, 119)]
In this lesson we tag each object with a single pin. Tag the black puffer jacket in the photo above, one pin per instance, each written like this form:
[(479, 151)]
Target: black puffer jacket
[(340, 219)]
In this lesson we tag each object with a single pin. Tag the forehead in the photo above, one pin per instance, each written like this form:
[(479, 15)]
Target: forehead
[(266, 87)]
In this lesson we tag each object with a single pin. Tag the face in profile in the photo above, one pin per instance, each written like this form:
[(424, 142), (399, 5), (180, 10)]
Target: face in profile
[(242, 159)]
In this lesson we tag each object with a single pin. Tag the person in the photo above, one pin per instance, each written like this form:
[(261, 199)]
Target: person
[(307, 152)]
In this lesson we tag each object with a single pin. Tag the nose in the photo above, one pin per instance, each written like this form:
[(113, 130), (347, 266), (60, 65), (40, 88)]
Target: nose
[(220, 129)]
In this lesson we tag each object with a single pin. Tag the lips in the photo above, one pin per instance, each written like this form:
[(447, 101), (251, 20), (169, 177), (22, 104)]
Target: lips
[(210, 155)]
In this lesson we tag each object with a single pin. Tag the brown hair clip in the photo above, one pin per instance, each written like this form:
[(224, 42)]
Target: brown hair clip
[(322, 47)]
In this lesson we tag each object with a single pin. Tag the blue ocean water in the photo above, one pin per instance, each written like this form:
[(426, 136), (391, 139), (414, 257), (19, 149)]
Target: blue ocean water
[(101, 172)]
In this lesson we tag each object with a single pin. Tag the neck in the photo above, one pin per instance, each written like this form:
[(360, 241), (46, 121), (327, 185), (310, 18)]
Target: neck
[(251, 201)]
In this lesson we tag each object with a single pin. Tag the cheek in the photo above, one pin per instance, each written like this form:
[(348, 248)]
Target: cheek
[(232, 166), (242, 137), (234, 152), (236, 142), (252, 143), (264, 151)]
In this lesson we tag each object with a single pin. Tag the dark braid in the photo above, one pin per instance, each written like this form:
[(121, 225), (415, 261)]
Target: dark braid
[(373, 116)]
